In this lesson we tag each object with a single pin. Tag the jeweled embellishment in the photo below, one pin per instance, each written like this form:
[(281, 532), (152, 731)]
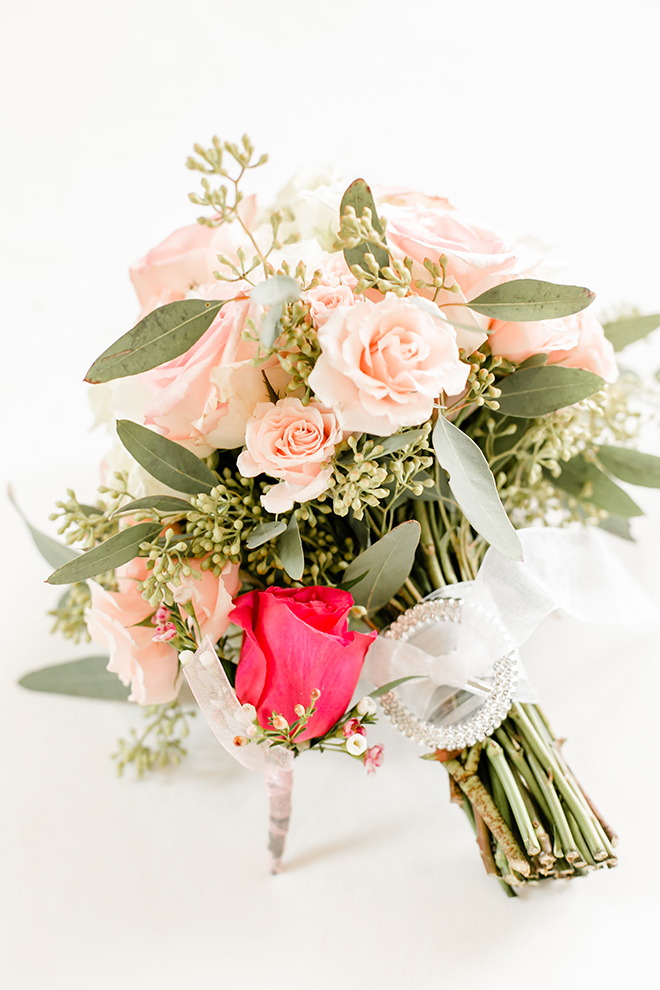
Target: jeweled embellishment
[(496, 706)]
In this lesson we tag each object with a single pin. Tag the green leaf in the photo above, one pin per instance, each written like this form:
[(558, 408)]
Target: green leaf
[(163, 503), (535, 361), (397, 441), (631, 466), (86, 678), (473, 486), (536, 391), (164, 334), (389, 562), (54, 553), (393, 684), (165, 460), (358, 195), (264, 532), (526, 299), (618, 526), (584, 480), (118, 550), (624, 332), (276, 290), (290, 550), (347, 585)]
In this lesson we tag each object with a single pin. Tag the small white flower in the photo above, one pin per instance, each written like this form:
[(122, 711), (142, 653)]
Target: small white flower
[(185, 657), (250, 711), (367, 706), (280, 723), (356, 744)]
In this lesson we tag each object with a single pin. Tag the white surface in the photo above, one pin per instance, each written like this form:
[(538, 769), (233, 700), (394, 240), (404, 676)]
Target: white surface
[(537, 117)]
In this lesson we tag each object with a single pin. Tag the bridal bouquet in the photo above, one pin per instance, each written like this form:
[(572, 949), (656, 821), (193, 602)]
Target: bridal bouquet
[(358, 434)]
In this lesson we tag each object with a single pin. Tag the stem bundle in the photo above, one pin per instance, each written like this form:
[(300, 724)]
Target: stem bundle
[(530, 815)]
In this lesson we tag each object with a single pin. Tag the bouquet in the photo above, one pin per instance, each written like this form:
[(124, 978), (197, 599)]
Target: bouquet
[(357, 434)]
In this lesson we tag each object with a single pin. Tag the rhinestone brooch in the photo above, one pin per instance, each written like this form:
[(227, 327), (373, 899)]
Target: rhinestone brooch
[(499, 694)]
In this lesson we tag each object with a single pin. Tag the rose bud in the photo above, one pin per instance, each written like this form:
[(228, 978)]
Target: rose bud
[(296, 644)]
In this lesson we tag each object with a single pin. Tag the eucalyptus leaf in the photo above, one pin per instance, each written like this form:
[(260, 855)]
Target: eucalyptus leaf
[(54, 553), (532, 392), (276, 290), (361, 529), (347, 585), (165, 460), (118, 550), (290, 550), (525, 299), (389, 562), (358, 195), (584, 480), (163, 503), (618, 526), (631, 466), (271, 326), (86, 678), (264, 532), (397, 441), (393, 684), (535, 361), (624, 332), (161, 336), (473, 486)]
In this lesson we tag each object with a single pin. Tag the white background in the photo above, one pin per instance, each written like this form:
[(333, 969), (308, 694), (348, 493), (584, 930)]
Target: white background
[(536, 117)]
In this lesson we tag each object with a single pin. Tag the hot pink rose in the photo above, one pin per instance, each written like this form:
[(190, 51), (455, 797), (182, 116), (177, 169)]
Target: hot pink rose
[(297, 641), (187, 259), (151, 666), (204, 398), (294, 442), (383, 365)]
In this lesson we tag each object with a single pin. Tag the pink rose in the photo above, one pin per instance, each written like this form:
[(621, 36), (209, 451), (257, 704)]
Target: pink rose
[(187, 259), (518, 341), (383, 365), (327, 297), (294, 442), (576, 341), (297, 641), (151, 666), (593, 351), (477, 258), (204, 398)]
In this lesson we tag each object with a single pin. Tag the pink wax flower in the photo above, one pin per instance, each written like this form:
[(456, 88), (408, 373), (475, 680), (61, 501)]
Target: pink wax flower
[(150, 665), (373, 758), (297, 642), (383, 365), (352, 727), (293, 442)]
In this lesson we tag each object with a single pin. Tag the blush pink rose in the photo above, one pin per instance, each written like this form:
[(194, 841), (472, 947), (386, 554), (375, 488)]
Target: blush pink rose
[(593, 351), (477, 258), (383, 365), (576, 341), (327, 297), (187, 259), (204, 398), (152, 667), (293, 442), (518, 341), (297, 641)]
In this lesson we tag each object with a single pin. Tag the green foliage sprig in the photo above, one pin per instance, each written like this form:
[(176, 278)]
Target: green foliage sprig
[(167, 728)]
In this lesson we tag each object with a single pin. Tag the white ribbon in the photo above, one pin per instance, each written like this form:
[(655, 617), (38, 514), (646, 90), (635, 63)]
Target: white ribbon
[(572, 569)]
